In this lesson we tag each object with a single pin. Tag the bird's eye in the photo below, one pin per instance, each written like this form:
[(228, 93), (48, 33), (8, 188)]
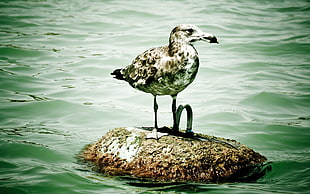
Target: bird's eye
[(189, 31)]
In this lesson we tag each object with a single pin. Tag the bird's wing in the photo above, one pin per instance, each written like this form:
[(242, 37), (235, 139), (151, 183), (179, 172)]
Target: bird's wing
[(145, 66)]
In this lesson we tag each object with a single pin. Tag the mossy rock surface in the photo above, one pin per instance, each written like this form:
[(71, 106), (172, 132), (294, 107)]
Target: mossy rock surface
[(201, 158)]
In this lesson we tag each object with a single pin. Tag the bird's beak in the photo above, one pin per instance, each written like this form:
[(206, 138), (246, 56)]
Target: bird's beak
[(210, 38)]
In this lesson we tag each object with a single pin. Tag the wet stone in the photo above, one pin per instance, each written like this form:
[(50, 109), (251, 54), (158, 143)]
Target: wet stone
[(201, 158)]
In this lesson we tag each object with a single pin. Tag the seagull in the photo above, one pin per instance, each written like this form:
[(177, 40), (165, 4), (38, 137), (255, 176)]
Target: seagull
[(166, 70)]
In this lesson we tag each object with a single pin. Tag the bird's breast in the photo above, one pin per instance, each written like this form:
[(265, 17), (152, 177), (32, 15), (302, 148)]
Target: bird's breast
[(166, 75), (175, 77)]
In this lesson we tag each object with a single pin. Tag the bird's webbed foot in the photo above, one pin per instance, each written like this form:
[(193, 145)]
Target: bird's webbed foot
[(155, 134)]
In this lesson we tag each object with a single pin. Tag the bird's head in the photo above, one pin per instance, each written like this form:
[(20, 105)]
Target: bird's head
[(188, 33)]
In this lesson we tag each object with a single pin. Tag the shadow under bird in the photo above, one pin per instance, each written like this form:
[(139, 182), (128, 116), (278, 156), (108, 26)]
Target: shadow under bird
[(166, 70)]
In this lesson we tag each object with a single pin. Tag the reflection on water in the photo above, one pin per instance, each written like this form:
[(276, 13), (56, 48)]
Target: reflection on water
[(57, 94)]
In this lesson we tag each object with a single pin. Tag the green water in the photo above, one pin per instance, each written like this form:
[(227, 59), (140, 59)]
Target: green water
[(56, 94)]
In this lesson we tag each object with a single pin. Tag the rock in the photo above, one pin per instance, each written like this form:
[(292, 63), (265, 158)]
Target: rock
[(200, 158)]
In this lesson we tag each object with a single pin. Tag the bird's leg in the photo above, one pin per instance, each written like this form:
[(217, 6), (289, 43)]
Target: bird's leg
[(175, 127), (155, 134), (155, 111)]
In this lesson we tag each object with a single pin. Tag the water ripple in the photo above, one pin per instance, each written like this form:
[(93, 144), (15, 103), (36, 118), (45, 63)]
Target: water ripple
[(57, 93)]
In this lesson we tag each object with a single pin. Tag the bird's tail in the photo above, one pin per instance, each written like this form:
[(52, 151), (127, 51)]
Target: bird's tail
[(118, 74)]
